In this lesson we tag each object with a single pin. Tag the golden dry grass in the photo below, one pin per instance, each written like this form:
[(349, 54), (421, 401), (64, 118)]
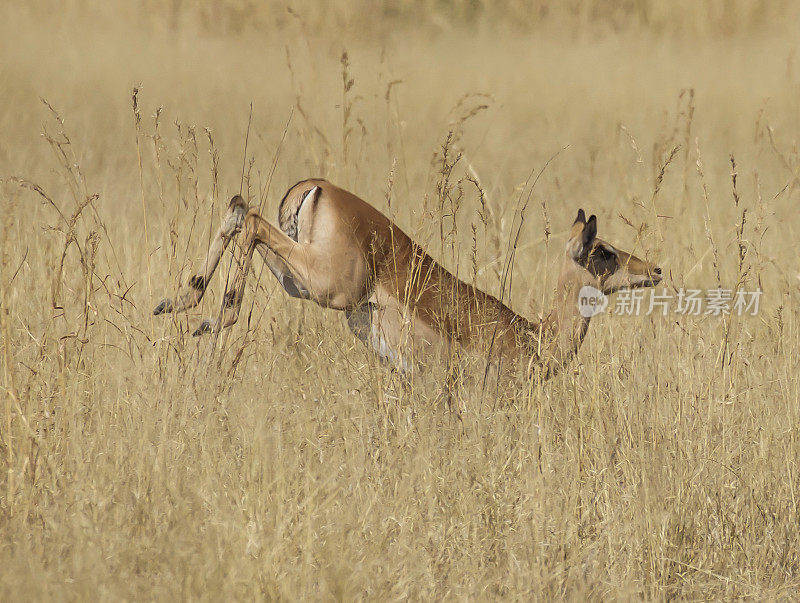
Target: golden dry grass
[(663, 464)]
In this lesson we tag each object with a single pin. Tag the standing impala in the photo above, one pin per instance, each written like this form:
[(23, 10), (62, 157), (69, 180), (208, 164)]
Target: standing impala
[(337, 250)]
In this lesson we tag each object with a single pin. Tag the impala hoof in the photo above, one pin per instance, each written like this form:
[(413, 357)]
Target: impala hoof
[(205, 327), (165, 305)]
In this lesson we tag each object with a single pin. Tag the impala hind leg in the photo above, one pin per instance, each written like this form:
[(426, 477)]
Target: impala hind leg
[(234, 295), (334, 277), (191, 293), (232, 301), (281, 272)]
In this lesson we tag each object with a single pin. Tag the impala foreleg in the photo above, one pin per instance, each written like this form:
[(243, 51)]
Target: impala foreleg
[(374, 326), (360, 322), (195, 288)]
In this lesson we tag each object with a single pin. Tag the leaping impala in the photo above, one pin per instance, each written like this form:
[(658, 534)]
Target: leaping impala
[(337, 250)]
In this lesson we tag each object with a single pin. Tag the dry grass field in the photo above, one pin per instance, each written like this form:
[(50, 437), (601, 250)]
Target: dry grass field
[(282, 460)]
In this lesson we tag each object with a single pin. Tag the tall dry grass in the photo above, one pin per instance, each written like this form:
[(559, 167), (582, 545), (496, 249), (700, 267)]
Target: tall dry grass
[(281, 460)]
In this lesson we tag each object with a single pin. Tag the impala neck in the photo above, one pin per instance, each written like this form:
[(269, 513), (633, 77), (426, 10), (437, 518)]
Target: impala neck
[(565, 327)]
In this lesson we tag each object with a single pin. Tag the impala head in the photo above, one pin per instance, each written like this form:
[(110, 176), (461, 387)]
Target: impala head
[(612, 269)]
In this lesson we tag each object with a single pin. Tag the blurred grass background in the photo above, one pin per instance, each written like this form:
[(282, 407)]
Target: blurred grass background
[(663, 464)]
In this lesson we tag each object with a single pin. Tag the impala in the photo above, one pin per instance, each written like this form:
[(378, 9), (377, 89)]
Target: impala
[(337, 250)]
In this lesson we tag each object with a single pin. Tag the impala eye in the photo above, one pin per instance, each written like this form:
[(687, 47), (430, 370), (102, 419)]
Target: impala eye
[(601, 252), (610, 251)]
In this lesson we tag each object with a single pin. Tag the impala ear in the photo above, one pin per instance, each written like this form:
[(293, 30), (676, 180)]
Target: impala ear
[(589, 231), (581, 217)]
